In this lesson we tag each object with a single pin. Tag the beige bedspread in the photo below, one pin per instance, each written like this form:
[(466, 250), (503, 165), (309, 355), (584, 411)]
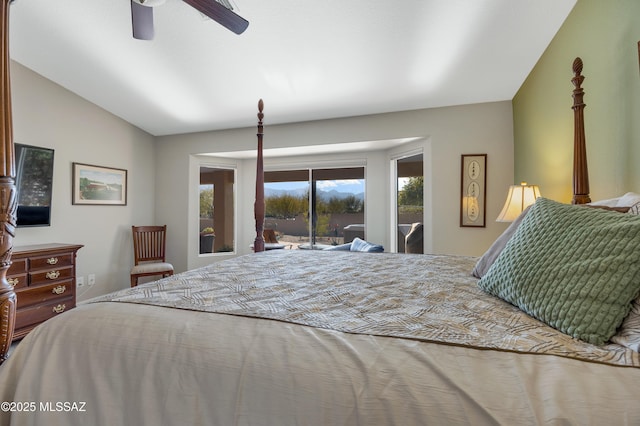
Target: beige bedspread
[(429, 298)]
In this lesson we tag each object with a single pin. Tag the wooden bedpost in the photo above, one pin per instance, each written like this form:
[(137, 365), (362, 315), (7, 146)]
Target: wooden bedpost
[(580, 171), (8, 204), (258, 244)]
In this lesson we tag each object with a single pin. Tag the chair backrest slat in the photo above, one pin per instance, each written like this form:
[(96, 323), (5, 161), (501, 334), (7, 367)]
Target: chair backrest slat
[(149, 243)]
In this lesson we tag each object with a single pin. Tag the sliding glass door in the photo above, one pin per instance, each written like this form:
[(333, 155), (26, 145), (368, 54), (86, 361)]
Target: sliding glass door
[(315, 208), (287, 205)]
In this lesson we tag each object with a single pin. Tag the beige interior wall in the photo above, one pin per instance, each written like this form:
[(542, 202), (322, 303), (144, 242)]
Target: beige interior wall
[(446, 134), (45, 114)]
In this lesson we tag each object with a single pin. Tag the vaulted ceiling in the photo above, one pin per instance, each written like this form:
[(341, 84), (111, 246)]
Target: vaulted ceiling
[(307, 59)]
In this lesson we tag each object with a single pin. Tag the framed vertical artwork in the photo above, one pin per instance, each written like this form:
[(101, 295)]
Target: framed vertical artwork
[(473, 186)]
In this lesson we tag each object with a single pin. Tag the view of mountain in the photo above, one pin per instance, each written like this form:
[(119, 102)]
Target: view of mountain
[(325, 195)]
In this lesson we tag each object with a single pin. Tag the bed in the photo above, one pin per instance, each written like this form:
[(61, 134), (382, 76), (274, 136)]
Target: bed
[(294, 337)]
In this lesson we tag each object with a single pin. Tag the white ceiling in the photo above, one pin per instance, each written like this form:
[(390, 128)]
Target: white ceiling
[(308, 59)]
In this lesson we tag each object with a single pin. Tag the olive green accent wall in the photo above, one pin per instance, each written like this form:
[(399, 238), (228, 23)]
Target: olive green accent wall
[(605, 35)]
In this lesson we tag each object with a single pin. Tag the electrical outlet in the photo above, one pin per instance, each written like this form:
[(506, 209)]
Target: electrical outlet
[(80, 281), (91, 279)]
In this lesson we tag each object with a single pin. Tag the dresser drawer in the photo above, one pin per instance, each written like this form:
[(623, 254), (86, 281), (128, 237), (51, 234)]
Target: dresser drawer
[(51, 261), (49, 276), (18, 266), (36, 314), (18, 281), (45, 293), (17, 274)]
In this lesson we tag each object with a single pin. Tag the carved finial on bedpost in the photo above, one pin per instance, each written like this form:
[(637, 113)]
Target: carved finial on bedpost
[(580, 170), (259, 208), (577, 66)]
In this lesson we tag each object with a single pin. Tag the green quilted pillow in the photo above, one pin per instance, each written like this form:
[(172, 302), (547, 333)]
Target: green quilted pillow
[(576, 269)]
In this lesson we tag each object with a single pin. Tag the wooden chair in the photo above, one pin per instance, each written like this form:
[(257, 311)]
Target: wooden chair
[(149, 252)]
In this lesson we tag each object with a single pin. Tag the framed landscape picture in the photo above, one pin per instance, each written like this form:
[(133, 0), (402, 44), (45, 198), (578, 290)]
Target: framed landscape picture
[(97, 185)]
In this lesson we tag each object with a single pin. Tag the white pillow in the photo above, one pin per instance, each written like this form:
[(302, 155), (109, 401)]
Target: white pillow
[(626, 200), (629, 332)]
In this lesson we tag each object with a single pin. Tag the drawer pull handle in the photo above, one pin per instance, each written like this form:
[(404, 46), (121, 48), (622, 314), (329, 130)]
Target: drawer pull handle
[(13, 281), (59, 309), (52, 260), (59, 289), (52, 275)]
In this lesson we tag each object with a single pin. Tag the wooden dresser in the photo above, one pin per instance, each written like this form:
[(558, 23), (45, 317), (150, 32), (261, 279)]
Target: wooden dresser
[(44, 279)]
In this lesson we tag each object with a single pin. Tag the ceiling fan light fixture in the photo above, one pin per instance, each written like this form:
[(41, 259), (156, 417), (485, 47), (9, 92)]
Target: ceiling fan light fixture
[(141, 20), (150, 3), (226, 3)]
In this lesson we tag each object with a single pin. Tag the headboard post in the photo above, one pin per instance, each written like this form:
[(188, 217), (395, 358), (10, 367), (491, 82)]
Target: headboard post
[(580, 171), (259, 208), (8, 203)]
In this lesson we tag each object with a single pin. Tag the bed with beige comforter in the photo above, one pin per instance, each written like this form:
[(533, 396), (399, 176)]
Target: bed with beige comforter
[(292, 337)]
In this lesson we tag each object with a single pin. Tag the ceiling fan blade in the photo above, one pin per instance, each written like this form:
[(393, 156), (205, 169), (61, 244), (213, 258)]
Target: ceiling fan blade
[(220, 14), (142, 21)]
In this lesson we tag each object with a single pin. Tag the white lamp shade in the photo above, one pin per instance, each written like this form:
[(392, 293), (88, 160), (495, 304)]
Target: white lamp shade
[(519, 198)]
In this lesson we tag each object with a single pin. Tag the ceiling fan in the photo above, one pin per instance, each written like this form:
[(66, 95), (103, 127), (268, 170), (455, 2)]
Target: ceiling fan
[(218, 10)]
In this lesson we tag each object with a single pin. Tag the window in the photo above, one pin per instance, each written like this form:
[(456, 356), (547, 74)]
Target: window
[(216, 227), (315, 208)]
